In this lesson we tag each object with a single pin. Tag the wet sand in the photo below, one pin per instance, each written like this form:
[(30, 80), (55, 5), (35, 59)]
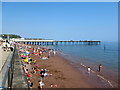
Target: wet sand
[(106, 79)]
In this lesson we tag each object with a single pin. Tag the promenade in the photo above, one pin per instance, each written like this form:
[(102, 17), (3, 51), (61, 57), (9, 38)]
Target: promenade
[(3, 64)]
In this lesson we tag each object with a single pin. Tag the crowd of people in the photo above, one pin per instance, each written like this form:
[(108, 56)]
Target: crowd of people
[(31, 66), (43, 53), (7, 45)]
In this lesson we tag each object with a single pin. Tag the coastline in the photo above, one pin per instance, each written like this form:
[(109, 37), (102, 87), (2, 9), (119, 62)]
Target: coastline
[(66, 74), (63, 74), (106, 79)]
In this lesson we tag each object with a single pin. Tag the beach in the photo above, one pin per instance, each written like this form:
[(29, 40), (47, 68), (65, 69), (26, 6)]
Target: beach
[(59, 45), (83, 56), (64, 75), (61, 73)]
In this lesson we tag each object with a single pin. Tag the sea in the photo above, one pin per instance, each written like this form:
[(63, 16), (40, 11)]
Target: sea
[(82, 56)]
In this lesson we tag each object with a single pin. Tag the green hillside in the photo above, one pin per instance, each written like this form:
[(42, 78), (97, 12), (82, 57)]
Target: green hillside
[(4, 36)]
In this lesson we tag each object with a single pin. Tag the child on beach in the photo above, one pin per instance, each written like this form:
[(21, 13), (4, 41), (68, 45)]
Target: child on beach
[(100, 68), (41, 84)]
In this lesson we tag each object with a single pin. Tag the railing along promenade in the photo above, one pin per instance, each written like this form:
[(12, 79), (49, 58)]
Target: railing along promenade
[(55, 42), (6, 72)]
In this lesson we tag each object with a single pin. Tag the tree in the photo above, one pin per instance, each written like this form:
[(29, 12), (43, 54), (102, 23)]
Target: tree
[(4, 36)]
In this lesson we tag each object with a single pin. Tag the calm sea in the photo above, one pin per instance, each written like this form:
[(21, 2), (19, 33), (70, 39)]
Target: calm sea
[(106, 53)]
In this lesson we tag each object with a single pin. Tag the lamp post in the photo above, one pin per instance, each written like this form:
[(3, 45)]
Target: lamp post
[(8, 38)]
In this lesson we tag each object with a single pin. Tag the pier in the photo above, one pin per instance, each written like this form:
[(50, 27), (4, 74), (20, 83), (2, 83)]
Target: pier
[(55, 42)]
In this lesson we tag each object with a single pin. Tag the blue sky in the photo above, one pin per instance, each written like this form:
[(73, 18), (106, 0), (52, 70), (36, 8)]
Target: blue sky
[(0, 17), (62, 21)]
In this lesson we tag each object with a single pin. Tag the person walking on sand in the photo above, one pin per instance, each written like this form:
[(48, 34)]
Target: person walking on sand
[(89, 70), (54, 52), (100, 68)]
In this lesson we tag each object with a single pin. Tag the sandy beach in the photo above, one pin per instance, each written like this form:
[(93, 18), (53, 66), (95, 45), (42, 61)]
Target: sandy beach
[(63, 74)]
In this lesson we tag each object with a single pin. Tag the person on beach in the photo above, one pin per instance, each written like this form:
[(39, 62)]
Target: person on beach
[(49, 55), (34, 70), (41, 84), (11, 48), (52, 86), (8, 46), (89, 70), (54, 52), (100, 68), (42, 72), (28, 75), (42, 76), (26, 71), (34, 61), (25, 67), (37, 65), (30, 83), (4, 45)]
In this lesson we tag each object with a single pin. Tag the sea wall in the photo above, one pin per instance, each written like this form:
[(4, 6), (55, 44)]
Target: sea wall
[(19, 78)]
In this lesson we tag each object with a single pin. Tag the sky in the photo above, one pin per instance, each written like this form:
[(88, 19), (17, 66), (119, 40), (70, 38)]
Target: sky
[(61, 20), (0, 17)]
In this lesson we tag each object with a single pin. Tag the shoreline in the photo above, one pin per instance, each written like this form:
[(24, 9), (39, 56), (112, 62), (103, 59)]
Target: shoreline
[(108, 78), (67, 74), (63, 74)]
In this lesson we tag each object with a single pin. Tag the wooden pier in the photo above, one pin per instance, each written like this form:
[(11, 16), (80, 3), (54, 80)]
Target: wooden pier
[(53, 42)]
